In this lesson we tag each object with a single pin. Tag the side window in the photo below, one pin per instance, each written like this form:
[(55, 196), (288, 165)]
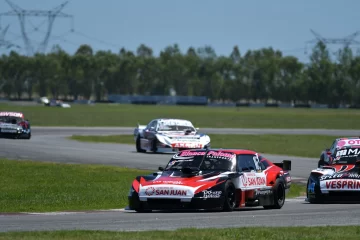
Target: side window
[(152, 124), (246, 162), (333, 147), (261, 164)]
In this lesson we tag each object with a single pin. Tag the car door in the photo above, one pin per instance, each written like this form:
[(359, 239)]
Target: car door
[(253, 176), (149, 133)]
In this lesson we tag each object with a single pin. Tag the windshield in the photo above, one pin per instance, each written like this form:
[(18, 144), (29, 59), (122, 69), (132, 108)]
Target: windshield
[(347, 156), (12, 120), (175, 125), (213, 161)]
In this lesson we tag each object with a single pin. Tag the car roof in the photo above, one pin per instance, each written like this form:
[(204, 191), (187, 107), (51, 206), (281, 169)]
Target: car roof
[(236, 151), (345, 138), (159, 119)]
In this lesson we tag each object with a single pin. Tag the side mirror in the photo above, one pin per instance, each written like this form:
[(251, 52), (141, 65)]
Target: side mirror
[(197, 129), (161, 169)]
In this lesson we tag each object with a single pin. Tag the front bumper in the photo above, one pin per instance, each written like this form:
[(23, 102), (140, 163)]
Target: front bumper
[(175, 204)]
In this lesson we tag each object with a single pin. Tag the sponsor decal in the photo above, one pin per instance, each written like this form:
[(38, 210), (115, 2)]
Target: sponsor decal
[(173, 122), (288, 179), (216, 154), (263, 192), (11, 114), (190, 153), (342, 184), (211, 194), (249, 180), (340, 176), (213, 154), (186, 145), (169, 182), (165, 191), (311, 187), (8, 130), (346, 152), (348, 142)]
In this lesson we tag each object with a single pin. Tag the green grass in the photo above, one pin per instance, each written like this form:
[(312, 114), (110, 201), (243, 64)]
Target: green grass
[(250, 233), (130, 115), (28, 186), (293, 145)]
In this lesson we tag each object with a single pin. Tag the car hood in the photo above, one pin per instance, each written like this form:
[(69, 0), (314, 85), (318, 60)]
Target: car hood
[(339, 178), (174, 184)]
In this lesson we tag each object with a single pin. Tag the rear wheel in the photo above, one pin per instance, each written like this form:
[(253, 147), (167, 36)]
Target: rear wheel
[(154, 145), (278, 195)]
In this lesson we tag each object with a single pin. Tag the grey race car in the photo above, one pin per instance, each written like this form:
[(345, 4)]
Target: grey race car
[(169, 135)]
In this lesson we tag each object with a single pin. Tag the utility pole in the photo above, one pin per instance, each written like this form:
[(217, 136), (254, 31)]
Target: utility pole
[(51, 15), (346, 41), (3, 42)]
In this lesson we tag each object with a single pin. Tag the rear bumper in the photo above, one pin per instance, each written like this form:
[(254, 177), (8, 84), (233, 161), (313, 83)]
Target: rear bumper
[(14, 135)]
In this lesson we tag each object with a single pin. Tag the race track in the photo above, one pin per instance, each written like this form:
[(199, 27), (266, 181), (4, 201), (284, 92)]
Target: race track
[(50, 144)]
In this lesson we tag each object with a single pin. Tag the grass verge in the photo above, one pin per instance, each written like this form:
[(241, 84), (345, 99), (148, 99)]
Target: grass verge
[(258, 233), (28, 186), (293, 145), (130, 115)]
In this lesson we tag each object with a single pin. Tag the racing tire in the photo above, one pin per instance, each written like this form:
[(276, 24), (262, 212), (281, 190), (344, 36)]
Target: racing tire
[(138, 147), (229, 197), (318, 198), (28, 137), (278, 195), (153, 145)]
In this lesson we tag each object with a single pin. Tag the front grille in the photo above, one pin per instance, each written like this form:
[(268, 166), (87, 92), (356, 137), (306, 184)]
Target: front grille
[(344, 194), (165, 204)]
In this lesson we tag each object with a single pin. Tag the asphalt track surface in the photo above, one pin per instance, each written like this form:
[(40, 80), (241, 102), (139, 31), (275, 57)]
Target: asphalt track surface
[(51, 144)]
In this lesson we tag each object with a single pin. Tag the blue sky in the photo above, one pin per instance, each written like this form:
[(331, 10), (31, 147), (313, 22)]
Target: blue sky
[(250, 24)]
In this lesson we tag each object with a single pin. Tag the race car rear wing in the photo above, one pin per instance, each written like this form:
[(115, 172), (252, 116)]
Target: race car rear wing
[(285, 165)]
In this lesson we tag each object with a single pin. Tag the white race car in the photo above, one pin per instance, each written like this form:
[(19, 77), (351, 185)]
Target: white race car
[(169, 135)]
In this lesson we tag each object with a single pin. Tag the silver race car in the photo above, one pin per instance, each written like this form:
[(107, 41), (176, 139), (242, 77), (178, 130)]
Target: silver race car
[(169, 135)]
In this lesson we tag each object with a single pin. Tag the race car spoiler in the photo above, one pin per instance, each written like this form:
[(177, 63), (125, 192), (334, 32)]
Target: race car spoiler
[(285, 165)]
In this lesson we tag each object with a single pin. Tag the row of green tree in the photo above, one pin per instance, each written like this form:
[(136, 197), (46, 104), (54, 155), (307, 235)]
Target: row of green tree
[(259, 75)]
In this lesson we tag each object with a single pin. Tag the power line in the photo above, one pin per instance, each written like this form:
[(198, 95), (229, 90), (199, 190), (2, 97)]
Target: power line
[(346, 41)]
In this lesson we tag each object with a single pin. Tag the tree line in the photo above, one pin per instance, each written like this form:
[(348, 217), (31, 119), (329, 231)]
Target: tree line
[(259, 75)]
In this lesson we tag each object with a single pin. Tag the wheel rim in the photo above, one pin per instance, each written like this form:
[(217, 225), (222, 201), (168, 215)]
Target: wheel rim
[(231, 197), (281, 194)]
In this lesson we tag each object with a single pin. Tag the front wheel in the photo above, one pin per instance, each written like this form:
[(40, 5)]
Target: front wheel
[(279, 195), (138, 145), (229, 193)]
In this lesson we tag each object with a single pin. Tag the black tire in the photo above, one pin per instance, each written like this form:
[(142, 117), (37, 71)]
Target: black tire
[(153, 145), (318, 198), (279, 195), (28, 137), (138, 147), (229, 197)]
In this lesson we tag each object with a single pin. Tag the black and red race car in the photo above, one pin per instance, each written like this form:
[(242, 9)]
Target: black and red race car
[(337, 178), (223, 179), (14, 125)]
